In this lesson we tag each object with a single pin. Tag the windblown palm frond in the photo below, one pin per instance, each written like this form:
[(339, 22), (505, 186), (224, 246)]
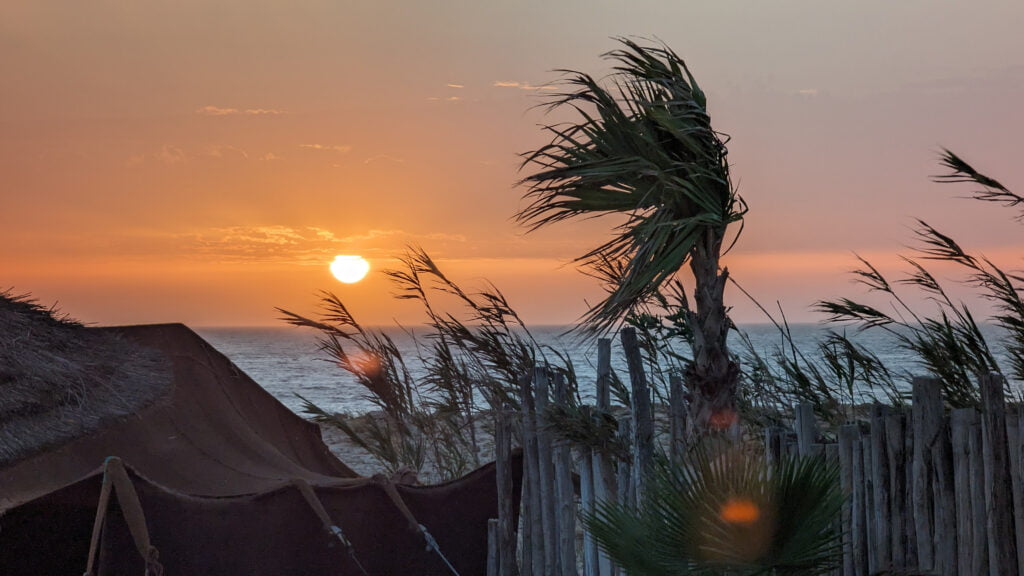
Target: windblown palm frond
[(643, 147)]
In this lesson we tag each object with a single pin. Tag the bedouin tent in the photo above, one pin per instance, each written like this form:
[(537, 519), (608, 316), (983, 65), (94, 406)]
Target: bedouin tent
[(208, 474)]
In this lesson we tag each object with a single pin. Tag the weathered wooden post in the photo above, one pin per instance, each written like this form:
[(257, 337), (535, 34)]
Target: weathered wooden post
[(492, 548), (624, 490), (604, 471), (979, 508), (868, 503), (895, 448), (858, 512), (1002, 539), (506, 537), (806, 429), (533, 522), (565, 511), (848, 435), (525, 528), (960, 423), (1013, 431), (908, 483), (927, 412), (643, 418), (881, 494), (831, 454), (944, 501), (547, 473), (587, 506)]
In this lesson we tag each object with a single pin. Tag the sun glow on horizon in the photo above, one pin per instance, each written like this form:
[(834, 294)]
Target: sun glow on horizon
[(349, 269)]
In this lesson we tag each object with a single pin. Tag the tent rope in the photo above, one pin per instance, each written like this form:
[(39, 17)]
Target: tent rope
[(318, 508), (115, 476), (396, 498), (432, 545)]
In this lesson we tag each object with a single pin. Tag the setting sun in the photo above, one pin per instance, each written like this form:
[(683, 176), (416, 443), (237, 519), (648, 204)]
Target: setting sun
[(349, 269)]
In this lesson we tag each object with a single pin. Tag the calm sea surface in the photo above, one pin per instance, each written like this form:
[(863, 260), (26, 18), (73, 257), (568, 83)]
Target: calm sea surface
[(286, 360)]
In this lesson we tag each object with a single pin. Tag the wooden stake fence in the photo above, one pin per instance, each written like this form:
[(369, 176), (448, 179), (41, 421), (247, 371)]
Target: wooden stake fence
[(926, 491), (953, 508)]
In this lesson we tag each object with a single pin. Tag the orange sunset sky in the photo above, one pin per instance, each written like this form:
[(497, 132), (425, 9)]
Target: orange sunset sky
[(203, 161)]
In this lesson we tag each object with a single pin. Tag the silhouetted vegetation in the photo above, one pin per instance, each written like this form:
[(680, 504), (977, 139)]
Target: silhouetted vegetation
[(643, 147), (727, 512), (471, 364)]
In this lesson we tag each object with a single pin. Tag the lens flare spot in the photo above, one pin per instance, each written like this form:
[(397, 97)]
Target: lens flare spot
[(369, 364), (723, 419), (739, 511)]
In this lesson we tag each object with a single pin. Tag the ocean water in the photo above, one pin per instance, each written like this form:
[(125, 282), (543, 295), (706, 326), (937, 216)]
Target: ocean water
[(287, 361)]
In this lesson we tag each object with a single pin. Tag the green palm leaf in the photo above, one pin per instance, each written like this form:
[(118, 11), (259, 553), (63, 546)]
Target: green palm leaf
[(726, 512), (642, 147)]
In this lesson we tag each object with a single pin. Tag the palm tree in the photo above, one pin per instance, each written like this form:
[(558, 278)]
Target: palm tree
[(643, 147)]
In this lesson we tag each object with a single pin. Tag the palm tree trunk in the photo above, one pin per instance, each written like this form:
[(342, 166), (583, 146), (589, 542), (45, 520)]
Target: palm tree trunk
[(713, 376)]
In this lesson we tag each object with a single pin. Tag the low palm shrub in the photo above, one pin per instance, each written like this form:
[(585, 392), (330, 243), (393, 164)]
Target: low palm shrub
[(724, 511)]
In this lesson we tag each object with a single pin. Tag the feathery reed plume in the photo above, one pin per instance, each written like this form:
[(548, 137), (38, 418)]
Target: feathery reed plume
[(472, 363), (949, 344)]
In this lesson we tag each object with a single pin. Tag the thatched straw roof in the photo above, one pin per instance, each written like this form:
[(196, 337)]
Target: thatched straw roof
[(60, 380)]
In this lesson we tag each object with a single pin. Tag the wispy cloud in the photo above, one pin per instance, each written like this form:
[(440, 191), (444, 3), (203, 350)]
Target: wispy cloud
[(324, 234), (522, 85), (293, 244), (455, 85), (280, 244), (369, 235), (224, 150), (264, 234), (171, 154), (808, 92), (327, 148), (441, 236), (264, 112), (274, 243), (218, 111), (384, 157)]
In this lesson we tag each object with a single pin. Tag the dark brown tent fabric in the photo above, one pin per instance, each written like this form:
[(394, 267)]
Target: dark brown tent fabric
[(214, 464)]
